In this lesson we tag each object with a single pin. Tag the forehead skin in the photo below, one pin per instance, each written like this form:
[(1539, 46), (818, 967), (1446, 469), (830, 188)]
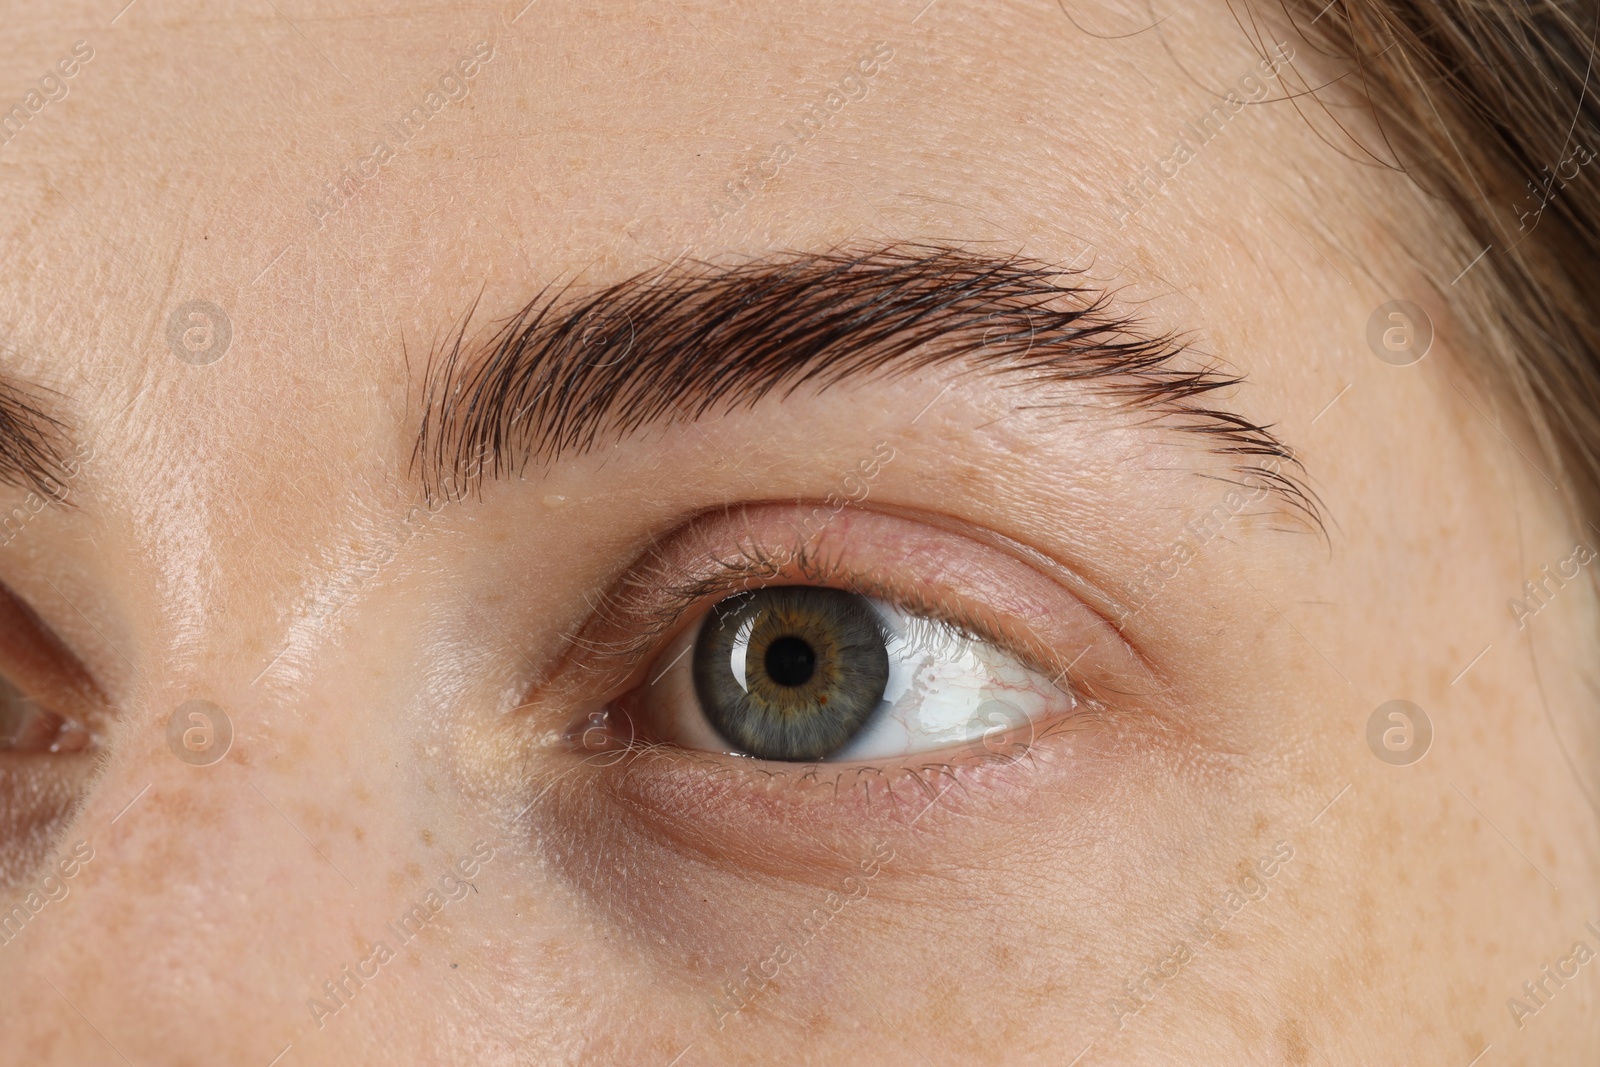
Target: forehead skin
[(228, 505)]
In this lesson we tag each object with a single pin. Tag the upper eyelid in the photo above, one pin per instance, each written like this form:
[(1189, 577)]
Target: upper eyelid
[(729, 578), (654, 598)]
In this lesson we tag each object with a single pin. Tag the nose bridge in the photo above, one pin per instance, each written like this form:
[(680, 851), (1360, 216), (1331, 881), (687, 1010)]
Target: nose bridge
[(273, 801), (256, 748)]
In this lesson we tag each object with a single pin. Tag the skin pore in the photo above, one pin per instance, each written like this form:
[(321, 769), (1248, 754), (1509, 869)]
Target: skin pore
[(1203, 862)]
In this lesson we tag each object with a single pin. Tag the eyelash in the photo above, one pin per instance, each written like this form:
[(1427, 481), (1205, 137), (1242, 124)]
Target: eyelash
[(657, 598), (672, 594)]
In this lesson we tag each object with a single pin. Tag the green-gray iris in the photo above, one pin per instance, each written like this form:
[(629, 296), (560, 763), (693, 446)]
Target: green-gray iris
[(791, 672)]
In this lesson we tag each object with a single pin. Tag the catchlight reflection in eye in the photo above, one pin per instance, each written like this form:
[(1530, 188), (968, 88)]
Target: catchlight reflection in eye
[(805, 673)]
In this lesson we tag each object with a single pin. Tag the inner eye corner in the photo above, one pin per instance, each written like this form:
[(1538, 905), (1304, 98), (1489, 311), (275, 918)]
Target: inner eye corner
[(50, 704)]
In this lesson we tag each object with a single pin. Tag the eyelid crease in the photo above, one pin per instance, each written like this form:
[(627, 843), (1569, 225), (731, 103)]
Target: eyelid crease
[(652, 600)]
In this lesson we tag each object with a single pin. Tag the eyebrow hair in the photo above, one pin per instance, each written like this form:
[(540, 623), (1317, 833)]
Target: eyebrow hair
[(32, 444), (676, 344)]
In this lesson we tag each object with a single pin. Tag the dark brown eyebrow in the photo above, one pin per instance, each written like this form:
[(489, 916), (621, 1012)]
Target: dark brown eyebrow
[(569, 371), (33, 444)]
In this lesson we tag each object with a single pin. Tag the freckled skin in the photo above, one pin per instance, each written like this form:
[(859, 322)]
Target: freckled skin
[(391, 726)]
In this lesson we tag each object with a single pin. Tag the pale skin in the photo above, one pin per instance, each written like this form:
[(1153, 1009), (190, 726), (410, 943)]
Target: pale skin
[(252, 532)]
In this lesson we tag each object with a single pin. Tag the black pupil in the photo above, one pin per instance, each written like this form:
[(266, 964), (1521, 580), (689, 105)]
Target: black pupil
[(790, 661)]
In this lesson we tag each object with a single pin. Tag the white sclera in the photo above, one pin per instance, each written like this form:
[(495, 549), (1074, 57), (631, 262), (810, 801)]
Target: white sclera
[(948, 688)]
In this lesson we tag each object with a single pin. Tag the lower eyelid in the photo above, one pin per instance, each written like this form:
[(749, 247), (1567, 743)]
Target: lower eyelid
[(703, 802)]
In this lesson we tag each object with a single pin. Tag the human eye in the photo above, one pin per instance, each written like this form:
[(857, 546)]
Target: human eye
[(799, 673), (52, 718), (48, 706), (881, 641)]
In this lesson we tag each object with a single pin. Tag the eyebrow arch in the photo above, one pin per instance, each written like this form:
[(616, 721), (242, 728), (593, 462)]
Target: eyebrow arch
[(568, 372)]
